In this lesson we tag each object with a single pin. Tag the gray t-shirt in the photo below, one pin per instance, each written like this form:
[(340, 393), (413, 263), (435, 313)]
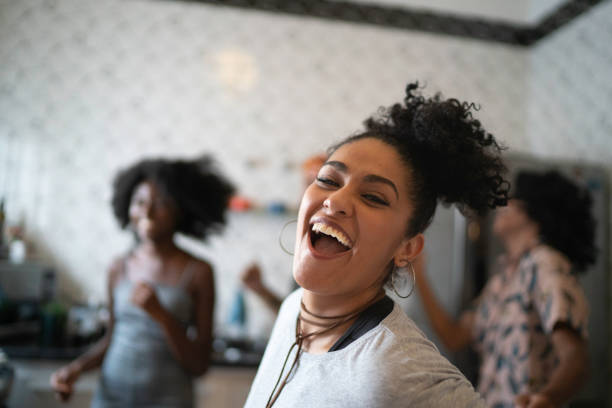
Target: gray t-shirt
[(392, 365)]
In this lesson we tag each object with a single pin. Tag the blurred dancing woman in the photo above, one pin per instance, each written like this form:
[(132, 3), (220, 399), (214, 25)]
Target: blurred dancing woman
[(529, 323), (340, 341), (161, 298)]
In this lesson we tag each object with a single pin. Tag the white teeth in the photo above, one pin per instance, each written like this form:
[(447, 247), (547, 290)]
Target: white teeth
[(327, 230)]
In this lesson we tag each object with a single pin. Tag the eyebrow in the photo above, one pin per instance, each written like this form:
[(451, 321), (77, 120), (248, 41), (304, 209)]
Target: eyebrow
[(370, 178)]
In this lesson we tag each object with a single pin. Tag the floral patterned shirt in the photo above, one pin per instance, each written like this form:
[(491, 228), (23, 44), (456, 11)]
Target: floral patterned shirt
[(513, 320)]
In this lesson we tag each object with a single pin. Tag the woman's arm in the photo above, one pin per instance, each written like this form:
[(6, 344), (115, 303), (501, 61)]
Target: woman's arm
[(454, 334), (251, 277), (64, 378), (192, 352), (567, 377)]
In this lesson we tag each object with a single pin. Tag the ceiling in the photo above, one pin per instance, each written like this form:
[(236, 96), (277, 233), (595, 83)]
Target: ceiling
[(515, 22), (522, 12)]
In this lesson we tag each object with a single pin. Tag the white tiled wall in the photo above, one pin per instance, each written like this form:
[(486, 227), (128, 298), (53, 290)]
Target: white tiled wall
[(570, 90), (88, 86)]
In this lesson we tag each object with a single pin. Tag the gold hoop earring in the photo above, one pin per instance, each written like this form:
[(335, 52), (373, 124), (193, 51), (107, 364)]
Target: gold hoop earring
[(280, 236), (413, 281)]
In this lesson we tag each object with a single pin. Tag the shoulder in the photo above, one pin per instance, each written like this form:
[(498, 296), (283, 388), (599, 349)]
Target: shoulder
[(559, 296), (283, 332), (200, 268), (546, 268), (200, 274), (291, 304), (399, 347), (399, 324), (409, 367), (404, 339), (287, 314), (116, 270), (549, 259)]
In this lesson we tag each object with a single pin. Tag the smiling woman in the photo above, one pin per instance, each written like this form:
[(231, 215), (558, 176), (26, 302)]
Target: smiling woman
[(161, 298), (355, 201), (344, 342)]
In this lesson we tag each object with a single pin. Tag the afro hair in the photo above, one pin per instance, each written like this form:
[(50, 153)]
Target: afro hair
[(198, 191), (563, 212)]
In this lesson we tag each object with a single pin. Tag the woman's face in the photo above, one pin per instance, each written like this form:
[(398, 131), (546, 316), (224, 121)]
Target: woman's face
[(152, 214), (352, 219), (511, 219)]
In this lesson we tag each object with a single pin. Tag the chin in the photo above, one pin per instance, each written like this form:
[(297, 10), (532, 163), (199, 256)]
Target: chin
[(313, 283), (305, 273), (301, 270), (316, 276), (152, 236)]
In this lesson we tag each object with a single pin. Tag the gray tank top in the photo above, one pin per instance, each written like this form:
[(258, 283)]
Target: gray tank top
[(139, 369)]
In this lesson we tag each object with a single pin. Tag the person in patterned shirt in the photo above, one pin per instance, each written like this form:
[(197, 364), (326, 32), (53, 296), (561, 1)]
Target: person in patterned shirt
[(529, 324)]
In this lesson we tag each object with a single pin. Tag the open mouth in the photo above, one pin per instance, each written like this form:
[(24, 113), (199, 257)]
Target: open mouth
[(327, 240)]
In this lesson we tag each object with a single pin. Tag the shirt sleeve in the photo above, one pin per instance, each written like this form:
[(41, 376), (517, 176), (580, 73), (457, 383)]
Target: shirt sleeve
[(559, 298), (426, 379)]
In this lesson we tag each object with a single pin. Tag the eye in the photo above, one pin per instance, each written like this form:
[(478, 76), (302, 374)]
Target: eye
[(375, 199), (327, 182)]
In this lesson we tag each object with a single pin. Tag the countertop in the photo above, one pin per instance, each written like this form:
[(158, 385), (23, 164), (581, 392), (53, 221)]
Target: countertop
[(226, 384), (226, 352), (222, 386)]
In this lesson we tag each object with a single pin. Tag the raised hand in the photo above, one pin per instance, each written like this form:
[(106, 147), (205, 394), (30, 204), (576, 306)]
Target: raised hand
[(251, 277), (144, 296)]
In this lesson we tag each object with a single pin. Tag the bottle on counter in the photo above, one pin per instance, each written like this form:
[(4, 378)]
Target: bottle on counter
[(236, 321), (54, 316)]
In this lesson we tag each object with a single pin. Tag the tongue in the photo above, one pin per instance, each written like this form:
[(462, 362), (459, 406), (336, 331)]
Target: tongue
[(328, 245)]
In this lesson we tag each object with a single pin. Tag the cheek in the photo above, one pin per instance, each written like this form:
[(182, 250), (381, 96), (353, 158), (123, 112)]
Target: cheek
[(166, 217), (385, 239), (311, 201), (133, 212), (382, 236)]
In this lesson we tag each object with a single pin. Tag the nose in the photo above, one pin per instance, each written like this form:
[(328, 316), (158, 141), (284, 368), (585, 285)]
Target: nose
[(339, 203)]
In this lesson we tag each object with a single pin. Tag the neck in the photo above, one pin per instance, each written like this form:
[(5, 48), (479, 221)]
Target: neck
[(325, 311), (339, 305), (159, 248), (519, 243)]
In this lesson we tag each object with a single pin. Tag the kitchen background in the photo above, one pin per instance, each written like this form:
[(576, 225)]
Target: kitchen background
[(88, 87)]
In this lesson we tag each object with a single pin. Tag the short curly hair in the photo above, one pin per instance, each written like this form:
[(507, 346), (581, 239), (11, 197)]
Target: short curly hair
[(562, 211), (452, 159), (199, 192)]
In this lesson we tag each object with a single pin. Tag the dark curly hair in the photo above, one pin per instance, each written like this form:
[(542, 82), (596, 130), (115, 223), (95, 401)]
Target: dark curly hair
[(198, 191), (452, 159), (562, 210)]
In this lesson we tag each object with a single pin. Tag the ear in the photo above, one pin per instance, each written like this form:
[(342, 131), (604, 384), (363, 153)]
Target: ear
[(408, 250)]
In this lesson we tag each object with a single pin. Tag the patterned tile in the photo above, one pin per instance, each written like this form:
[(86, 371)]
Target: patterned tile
[(87, 87)]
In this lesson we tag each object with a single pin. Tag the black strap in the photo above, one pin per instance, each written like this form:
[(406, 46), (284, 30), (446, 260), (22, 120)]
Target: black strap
[(366, 321)]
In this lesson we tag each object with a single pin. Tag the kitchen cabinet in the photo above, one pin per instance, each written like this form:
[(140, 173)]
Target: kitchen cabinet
[(221, 387)]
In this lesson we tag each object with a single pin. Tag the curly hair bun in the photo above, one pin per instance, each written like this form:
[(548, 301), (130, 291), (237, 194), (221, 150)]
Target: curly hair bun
[(453, 159), (562, 210)]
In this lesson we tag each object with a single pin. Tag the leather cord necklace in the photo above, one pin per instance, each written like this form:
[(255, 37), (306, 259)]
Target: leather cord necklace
[(334, 321)]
